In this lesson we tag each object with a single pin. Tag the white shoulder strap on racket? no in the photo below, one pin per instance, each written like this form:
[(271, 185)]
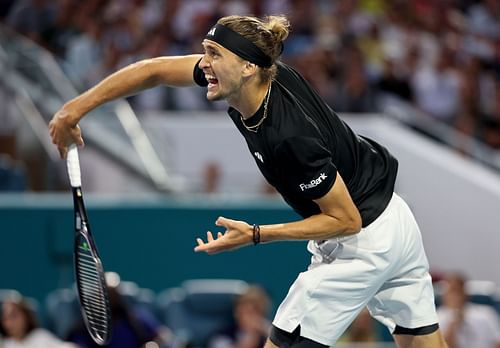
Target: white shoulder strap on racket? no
[(73, 164)]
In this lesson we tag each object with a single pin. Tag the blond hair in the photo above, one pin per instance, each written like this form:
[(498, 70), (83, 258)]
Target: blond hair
[(267, 34)]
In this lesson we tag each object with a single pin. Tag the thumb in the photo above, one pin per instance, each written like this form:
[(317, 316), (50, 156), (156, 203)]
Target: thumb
[(222, 221), (79, 141), (77, 136)]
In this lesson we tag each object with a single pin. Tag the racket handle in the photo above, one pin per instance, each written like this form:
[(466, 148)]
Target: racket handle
[(73, 164)]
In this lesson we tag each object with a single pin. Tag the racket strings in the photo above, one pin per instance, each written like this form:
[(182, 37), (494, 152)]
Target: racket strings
[(92, 295)]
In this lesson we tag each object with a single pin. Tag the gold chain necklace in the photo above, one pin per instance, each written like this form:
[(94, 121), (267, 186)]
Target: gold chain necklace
[(255, 127)]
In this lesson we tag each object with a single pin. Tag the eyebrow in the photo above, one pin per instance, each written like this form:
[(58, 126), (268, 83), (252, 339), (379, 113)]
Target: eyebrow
[(208, 45)]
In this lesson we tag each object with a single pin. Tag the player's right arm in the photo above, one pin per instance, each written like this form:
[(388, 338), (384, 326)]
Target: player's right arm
[(136, 77)]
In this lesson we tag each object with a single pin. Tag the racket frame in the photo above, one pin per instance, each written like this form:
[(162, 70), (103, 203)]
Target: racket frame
[(102, 334)]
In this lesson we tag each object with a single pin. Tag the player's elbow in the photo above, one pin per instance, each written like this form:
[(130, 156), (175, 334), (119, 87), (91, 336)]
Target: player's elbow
[(353, 223)]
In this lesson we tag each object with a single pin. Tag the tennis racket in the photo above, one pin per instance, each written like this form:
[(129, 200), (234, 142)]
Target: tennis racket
[(90, 281)]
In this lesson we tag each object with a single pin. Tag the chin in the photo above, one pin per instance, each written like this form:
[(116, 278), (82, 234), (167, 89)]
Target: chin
[(214, 96)]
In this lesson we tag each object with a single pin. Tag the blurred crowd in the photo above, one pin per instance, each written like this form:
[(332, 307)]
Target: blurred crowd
[(138, 322), (468, 316), (443, 57)]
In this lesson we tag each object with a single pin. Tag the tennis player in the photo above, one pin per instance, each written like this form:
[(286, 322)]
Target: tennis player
[(366, 247)]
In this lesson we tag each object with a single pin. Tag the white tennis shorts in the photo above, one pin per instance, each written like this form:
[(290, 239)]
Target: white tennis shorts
[(383, 267)]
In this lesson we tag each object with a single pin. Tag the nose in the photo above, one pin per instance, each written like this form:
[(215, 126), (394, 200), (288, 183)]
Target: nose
[(203, 62)]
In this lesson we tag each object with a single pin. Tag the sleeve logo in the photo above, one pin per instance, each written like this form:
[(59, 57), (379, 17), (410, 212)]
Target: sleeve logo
[(259, 156), (314, 182)]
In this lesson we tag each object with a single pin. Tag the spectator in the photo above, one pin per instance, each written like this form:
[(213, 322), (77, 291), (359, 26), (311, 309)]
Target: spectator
[(33, 18), (159, 43), (393, 82), (361, 330), (212, 173), (415, 50), (464, 324), (63, 28), (12, 174), (489, 126), (437, 89), (132, 328), (372, 49), (9, 123), (483, 16), (251, 326), (5, 6), (21, 329), (355, 93), (84, 54)]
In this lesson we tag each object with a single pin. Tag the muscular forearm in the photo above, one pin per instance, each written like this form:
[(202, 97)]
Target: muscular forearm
[(339, 217), (174, 71), (316, 227), (124, 82)]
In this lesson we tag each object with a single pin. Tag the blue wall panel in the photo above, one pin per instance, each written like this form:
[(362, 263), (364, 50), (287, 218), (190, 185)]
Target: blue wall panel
[(150, 243)]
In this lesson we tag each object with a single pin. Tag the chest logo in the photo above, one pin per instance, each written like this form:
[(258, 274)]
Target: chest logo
[(314, 182), (259, 156)]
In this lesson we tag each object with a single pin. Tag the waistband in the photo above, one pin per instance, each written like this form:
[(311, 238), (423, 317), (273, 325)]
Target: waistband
[(328, 249)]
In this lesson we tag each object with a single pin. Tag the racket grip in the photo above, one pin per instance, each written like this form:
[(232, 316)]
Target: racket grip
[(73, 164)]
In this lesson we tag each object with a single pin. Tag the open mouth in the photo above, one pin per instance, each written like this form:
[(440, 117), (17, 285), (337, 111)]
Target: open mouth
[(212, 80)]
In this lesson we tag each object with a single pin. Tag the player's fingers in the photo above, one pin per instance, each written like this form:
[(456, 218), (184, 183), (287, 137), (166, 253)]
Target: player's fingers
[(219, 235), (205, 247), (63, 152), (201, 246), (210, 237)]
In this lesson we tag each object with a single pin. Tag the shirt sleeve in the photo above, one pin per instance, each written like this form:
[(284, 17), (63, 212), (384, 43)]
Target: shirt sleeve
[(307, 166), (199, 76)]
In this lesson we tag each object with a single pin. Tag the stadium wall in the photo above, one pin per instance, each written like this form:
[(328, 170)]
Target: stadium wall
[(149, 241)]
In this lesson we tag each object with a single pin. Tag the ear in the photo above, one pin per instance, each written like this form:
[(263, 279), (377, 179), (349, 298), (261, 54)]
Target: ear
[(249, 69)]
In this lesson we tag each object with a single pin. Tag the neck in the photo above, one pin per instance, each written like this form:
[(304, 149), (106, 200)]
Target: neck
[(250, 99)]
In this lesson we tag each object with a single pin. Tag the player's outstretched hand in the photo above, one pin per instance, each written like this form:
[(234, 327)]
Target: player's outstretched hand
[(64, 132), (237, 235)]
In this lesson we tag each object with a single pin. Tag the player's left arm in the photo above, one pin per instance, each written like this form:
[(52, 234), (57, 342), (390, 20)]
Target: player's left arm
[(339, 217)]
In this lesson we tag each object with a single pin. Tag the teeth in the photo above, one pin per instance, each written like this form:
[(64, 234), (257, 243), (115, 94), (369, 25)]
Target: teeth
[(210, 77)]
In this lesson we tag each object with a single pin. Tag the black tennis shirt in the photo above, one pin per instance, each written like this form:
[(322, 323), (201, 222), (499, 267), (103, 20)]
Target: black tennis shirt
[(302, 144)]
